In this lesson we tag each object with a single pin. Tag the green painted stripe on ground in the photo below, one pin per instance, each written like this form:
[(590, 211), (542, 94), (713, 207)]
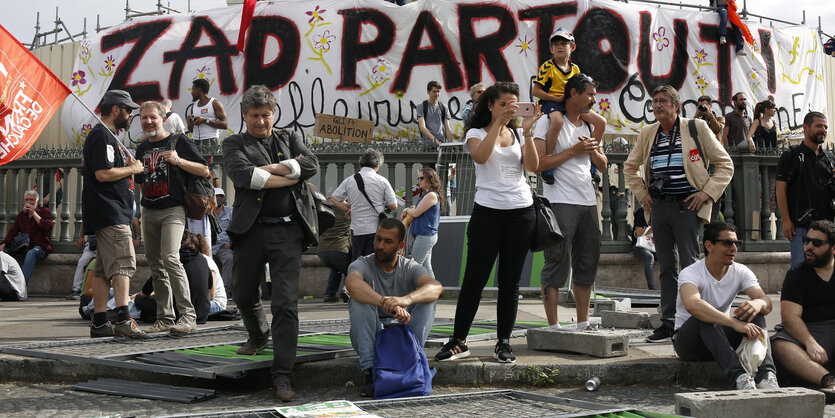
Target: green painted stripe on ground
[(326, 339), (225, 351)]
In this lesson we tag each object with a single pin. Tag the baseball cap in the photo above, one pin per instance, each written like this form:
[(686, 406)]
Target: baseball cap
[(561, 33), (219, 191), (118, 97)]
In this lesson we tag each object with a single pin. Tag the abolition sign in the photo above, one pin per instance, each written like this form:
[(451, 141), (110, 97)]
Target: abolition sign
[(369, 59)]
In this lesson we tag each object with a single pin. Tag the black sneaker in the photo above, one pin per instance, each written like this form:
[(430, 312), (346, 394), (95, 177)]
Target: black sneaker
[(105, 330), (661, 334), (367, 388), (453, 350), (503, 353)]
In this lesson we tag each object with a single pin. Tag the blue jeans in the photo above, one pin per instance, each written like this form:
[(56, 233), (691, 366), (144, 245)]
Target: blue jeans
[(34, 254), (366, 323), (422, 251), (649, 260), (214, 307), (736, 34), (797, 245), (338, 263)]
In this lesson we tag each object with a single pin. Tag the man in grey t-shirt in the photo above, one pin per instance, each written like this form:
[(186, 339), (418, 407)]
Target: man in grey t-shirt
[(387, 288), (432, 117), (12, 282)]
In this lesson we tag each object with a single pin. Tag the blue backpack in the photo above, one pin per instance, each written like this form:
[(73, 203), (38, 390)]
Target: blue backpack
[(400, 366)]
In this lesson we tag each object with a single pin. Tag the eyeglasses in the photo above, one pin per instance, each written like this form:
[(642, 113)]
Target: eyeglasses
[(661, 101), (421, 178), (816, 242), (728, 242)]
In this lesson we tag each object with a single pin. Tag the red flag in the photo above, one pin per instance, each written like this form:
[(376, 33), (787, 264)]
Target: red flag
[(734, 18), (246, 19), (29, 95)]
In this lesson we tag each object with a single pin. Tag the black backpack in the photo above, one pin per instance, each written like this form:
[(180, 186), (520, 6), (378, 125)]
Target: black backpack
[(198, 192), (425, 105)]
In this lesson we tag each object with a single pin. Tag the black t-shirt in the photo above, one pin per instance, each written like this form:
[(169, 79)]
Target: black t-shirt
[(277, 202), (804, 287), (806, 175), (161, 187), (104, 203)]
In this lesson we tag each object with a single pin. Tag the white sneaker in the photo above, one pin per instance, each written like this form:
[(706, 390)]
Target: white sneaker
[(745, 382), (742, 53), (722, 40), (768, 382)]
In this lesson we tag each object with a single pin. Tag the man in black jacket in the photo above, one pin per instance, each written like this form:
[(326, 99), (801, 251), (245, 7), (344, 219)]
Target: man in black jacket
[(273, 221)]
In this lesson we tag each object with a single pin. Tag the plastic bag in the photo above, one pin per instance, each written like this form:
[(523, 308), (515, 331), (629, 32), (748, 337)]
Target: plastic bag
[(751, 353)]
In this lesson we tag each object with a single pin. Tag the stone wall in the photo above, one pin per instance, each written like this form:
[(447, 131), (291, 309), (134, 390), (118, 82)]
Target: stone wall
[(53, 275)]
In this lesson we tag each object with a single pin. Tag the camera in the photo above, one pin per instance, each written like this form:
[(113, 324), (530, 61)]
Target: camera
[(657, 183), (703, 108)]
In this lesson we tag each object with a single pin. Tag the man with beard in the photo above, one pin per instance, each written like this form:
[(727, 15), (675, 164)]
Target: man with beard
[(164, 215), (807, 306), (676, 190), (387, 288), (705, 328), (573, 199), (107, 207), (805, 184), (207, 115), (737, 124)]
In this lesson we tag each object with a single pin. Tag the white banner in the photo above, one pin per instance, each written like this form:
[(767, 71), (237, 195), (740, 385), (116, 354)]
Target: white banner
[(372, 60)]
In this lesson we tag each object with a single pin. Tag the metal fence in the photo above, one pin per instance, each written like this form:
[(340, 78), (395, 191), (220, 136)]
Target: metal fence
[(749, 201)]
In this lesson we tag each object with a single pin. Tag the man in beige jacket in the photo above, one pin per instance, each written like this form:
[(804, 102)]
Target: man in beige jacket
[(676, 190)]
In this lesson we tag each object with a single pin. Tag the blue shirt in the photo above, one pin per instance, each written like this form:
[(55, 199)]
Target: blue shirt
[(427, 222), (223, 219)]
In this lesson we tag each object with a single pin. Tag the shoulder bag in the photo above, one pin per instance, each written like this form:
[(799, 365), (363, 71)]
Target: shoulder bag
[(361, 185), (547, 232), (198, 192)]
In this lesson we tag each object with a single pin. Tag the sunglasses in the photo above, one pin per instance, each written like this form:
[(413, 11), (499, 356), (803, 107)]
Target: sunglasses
[(728, 242), (421, 178), (816, 242)]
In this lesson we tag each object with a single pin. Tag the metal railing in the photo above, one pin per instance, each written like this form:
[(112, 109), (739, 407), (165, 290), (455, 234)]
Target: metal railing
[(749, 201)]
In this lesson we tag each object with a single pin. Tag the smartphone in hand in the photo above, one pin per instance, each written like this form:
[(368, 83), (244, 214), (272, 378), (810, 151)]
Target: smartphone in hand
[(525, 109)]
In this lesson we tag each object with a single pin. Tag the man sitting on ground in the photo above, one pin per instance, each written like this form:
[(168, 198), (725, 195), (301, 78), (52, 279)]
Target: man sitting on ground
[(807, 306), (704, 328), (386, 288)]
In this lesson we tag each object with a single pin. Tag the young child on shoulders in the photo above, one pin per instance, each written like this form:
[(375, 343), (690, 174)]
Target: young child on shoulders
[(549, 87)]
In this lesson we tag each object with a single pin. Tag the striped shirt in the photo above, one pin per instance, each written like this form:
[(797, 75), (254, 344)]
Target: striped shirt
[(662, 162)]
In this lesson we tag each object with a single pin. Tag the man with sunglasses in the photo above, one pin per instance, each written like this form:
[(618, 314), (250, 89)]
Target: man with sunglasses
[(805, 184), (705, 326), (807, 306), (676, 190)]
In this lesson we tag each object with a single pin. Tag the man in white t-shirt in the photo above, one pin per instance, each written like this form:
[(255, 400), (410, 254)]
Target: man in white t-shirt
[(705, 328), (173, 123), (573, 200)]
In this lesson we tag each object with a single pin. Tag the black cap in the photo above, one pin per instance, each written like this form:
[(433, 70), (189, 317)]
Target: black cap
[(118, 97)]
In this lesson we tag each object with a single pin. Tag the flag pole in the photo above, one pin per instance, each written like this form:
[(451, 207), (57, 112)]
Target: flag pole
[(124, 148)]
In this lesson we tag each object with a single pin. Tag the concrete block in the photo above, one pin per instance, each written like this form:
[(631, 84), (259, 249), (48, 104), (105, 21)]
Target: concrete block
[(601, 305), (593, 343), (655, 320), (783, 402), (631, 319)]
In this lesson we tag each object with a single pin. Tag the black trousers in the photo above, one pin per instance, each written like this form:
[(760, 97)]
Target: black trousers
[(7, 292), (700, 341), (491, 233), (280, 245), (362, 245)]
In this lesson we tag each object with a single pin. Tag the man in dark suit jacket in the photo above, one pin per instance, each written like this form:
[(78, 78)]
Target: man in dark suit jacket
[(273, 221)]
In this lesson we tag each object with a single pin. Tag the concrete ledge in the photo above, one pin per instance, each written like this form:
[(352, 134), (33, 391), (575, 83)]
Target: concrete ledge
[(783, 402)]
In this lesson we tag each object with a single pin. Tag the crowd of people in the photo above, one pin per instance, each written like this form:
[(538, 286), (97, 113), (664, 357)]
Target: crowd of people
[(677, 170)]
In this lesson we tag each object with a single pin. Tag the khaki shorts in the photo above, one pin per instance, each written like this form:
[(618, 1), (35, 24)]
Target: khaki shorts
[(114, 253)]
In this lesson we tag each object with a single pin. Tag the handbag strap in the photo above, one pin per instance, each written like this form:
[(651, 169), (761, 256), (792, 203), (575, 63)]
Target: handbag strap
[(172, 145), (361, 186)]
